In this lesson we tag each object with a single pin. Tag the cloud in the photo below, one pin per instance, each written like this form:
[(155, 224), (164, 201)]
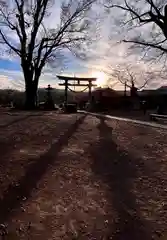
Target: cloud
[(14, 79), (11, 79), (104, 54)]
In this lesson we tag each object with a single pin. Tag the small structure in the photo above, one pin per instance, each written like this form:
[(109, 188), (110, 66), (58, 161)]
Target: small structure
[(77, 82), (103, 99), (133, 90), (49, 104), (134, 97)]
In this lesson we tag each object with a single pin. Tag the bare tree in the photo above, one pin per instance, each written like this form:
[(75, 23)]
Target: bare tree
[(130, 78), (145, 12), (35, 43)]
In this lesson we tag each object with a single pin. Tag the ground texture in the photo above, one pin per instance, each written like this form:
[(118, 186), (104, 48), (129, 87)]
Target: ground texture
[(80, 177)]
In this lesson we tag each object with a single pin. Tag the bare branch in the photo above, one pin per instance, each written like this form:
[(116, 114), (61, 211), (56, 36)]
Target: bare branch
[(130, 75), (153, 14), (38, 18), (147, 44), (6, 41), (37, 43)]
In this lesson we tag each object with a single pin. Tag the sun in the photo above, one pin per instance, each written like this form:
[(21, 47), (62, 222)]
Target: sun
[(101, 78)]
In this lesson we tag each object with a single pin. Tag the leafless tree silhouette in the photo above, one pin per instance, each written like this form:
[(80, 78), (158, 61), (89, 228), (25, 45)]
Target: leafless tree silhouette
[(35, 43), (145, 12), (128, 76)]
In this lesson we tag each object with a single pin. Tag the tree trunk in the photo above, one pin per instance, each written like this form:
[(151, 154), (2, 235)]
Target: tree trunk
[(31, 77), (30, 95)]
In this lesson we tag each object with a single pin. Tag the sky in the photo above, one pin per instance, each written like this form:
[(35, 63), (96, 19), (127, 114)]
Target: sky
[(104, 55)]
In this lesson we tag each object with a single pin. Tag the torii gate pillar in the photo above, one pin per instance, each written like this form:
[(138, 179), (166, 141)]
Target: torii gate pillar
[(66, 91), (90, 91)]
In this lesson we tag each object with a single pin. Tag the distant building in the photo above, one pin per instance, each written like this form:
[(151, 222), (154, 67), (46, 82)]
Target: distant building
[(154, 97), (104, 98), (107, 98)]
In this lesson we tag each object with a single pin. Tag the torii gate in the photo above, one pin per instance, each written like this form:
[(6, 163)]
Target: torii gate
[(66, 83)]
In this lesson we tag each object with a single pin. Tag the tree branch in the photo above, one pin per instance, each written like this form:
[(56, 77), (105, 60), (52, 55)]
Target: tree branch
[(40, 9), (57, 40), (9, 44), (154, 15), (10, 24), (21, 21), (147, 44)]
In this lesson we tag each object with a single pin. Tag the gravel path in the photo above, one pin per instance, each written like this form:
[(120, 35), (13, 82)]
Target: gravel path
[(80, 177)]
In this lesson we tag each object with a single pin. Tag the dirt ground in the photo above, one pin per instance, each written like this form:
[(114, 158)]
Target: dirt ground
[(80, 177)]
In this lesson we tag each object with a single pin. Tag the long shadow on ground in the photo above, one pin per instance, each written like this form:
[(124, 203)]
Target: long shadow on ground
[(15, 194), (20, 119), (118, 171), (16, 121)]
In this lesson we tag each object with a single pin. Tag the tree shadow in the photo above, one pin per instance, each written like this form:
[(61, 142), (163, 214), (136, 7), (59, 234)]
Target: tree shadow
[(15, 194), (118, 171), (15, 121), (20, 119)]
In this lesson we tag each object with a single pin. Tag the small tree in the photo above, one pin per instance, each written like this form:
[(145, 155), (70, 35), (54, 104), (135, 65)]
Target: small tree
[(36, 44), (129, 77), (145, 12)]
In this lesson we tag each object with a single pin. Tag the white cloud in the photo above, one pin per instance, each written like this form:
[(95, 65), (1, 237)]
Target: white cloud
[(11, 79), (14, 79), (103, 55)]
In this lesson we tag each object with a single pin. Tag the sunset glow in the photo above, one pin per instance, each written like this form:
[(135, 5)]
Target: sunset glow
[(101, 78)]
